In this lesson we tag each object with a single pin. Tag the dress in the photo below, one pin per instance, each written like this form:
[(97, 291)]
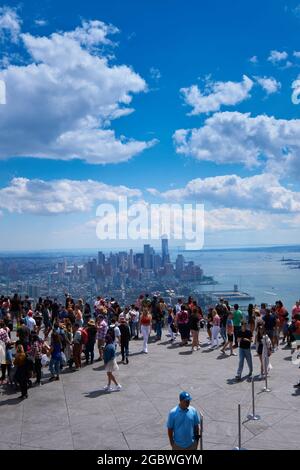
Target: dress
[(111, 366)]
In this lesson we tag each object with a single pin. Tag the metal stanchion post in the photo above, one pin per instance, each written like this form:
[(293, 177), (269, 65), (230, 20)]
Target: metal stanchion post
[(253, 415), (239, 447)]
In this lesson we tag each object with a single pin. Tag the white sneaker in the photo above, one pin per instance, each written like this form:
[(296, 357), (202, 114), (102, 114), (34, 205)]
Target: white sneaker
[(117, 388), (107, 389)]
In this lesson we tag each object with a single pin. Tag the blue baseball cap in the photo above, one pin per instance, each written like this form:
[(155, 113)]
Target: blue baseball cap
[(185, 396)]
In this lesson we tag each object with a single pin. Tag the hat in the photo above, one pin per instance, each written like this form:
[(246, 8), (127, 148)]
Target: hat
[(185, 396), (91, 322), (30, 313)]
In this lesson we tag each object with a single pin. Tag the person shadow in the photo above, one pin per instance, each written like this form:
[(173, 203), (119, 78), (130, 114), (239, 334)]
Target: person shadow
[(11, 401), (96, 393)]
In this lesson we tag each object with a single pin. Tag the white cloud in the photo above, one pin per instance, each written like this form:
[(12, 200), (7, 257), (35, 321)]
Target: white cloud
[(58, 196), (269, 84), (277, 56), (10, 23), (259, 192), (228, 219), (218, 220), (296, 91), (233, 137), (60, 104), (155, 73), (41, 22), (296, 54), (92, 33), (2, 92), (253, 59), (296, 11), (217, 94)]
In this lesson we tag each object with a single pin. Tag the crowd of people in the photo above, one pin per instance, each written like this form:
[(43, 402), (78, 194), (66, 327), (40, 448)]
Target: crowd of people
[(58, 335)]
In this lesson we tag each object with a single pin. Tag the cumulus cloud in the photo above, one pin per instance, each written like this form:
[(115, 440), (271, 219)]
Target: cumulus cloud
[(228, 219), (259, 192), (216, 220), (92, 33), (155, 73), (269, 84), (61, 103), (216, 94), (296, 91), (10, 23), (296, 54), (277, 56), (233, 137), (58, 196), (253, 59)]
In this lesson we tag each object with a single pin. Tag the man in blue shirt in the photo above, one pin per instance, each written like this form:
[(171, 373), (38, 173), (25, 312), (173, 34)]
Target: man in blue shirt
[(184, 425)]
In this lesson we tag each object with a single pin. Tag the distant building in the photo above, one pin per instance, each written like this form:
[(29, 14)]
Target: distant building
[(165, 251), (139, 260), (157, 262), (179, 264), (101, 258), (147, 259), (130, 261)]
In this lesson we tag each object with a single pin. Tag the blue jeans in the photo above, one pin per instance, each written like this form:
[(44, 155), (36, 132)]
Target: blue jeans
[(158, 328), (223, 332), (89, 350), (245, 354), (124, 350), (134, 328), (54, 367)]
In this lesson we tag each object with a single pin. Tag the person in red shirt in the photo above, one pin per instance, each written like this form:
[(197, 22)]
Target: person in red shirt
[(282, 315), (296, 308)]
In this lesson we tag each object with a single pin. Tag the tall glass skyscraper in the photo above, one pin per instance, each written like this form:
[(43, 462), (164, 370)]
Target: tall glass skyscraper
[(165, 251)]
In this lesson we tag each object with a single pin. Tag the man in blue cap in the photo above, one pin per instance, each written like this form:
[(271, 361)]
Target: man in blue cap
[(184, 425)]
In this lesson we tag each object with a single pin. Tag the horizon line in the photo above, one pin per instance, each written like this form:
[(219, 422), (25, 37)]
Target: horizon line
[(176, 248)]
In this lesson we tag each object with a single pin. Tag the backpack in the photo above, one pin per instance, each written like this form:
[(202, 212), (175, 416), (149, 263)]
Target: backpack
[(111, 332), (183, 317), (84, 336)]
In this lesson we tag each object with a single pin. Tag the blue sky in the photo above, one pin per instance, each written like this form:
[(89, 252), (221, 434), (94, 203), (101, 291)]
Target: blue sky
[(228, 70)]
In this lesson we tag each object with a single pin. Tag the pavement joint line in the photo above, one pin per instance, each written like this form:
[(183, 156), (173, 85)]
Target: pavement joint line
[(151, 401), (68, 414), (123, 434)]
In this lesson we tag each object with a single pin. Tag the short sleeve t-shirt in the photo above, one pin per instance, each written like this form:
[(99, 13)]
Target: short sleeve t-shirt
[(270, 321), (237, 317), (183, 422), (245, 334)]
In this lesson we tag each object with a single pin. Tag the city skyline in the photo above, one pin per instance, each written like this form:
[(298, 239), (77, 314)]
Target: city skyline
[(101, 104)]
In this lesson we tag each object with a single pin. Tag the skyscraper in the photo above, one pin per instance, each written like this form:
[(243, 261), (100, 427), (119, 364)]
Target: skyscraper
[(179, 264), (101, 258), (147, 251), (165, 251)]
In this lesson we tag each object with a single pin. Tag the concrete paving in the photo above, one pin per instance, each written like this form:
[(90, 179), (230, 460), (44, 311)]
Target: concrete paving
[(75, 413)]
